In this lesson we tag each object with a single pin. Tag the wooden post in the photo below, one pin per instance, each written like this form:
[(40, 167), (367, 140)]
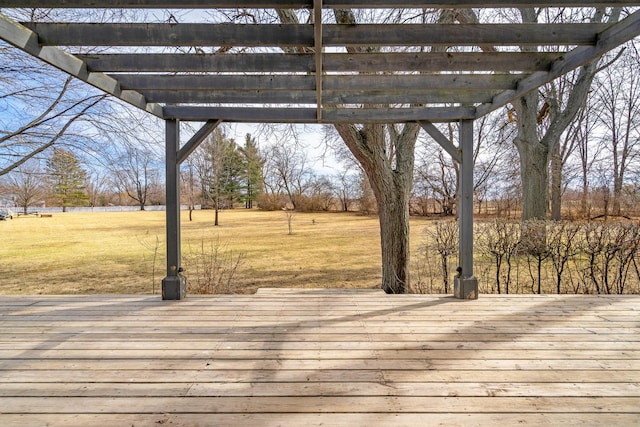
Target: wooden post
[(466, 285), (174, 286)]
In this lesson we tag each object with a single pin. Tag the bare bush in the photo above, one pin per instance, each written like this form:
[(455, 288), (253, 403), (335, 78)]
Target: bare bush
[(211, 268), (443, 239), (562, 246), (423, 276), (624, 246), (596, 239), (154, 247), (560, 257), (500, 240), (536, 250)]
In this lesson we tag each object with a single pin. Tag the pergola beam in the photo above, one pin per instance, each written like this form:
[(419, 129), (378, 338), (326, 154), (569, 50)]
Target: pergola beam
[(296, 35), (329, 97), (150, 34), (330, 82), (330, 115), (444, 142), (331, 62), (26, 40), (397, 115), (196, 140), (461, 35), (231, 96), (307, 4)]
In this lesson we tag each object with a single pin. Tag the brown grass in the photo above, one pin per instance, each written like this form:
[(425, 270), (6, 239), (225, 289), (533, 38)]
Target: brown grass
[(113, 252)]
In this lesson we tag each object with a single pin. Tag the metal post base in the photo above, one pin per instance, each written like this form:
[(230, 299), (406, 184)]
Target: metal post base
[(174, 287), (465, 288)]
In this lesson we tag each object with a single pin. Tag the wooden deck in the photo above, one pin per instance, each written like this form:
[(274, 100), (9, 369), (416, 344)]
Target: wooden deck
[(319, 357)]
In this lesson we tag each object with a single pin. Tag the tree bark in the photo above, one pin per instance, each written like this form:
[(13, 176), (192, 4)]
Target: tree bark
[(534, 176), (393, 211)]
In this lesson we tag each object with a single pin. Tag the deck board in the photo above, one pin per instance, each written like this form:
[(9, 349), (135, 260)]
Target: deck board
[(319, 357)]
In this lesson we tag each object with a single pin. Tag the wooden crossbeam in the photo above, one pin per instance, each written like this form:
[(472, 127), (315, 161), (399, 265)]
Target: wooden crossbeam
[(216, 82), (330, 82), (292, 35), (329, 97), (144, 34), (444, 142), (196, 140), (461, 34), (331, 62), (308, 115)]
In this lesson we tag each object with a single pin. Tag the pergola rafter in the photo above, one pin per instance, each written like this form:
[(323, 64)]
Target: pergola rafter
[(308, 73)]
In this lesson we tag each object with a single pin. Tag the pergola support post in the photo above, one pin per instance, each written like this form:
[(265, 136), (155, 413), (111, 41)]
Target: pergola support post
[(174, 285), (466, 284)]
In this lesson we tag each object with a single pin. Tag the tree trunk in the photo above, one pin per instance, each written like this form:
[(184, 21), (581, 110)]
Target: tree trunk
[(584, 202), (534, 158), (617, 195), (393, 211), (556, 184), (391, 178), (216, 209)]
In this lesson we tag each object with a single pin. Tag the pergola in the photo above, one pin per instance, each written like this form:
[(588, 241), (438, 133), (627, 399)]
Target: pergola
[(318, 72)]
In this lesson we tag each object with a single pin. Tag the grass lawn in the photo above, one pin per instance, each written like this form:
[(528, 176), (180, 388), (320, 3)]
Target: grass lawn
[(114, 252)]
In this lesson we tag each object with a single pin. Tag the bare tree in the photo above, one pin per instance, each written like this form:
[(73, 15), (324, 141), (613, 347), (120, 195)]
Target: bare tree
[(136, 174), (437, 174), (583, 129), (618, 93), (41, 106), (287, 172), (191, 184), (32, 137), (320, 194), (387, 156), (25, 184), (543, 116), (97, 185), (346, 188)]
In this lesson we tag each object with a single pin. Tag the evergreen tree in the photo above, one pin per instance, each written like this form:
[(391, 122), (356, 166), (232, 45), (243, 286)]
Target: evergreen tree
[(67, 178), (224, 171), (252, 168)]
